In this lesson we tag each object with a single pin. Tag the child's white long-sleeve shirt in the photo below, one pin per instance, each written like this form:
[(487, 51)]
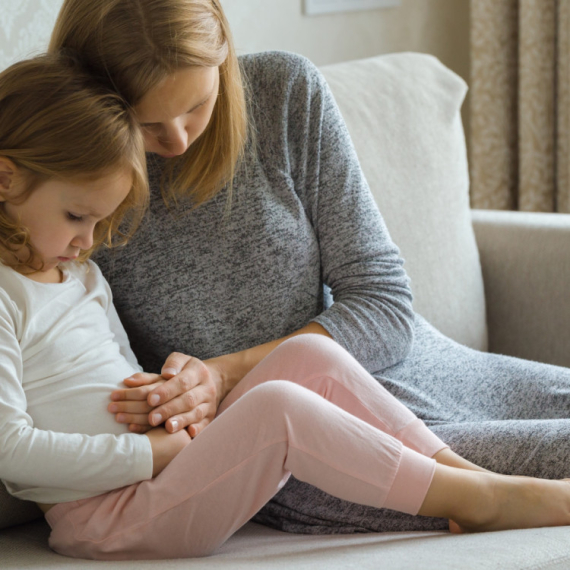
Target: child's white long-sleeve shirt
[(63, 351)]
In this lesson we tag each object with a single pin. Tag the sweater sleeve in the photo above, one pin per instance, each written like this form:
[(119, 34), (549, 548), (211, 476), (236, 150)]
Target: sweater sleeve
[(372, 315), (37, 463)]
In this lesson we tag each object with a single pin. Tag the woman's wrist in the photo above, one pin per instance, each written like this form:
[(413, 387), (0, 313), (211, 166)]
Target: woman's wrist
[(230, 370)]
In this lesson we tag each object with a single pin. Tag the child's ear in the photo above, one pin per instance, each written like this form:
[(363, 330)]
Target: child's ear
[(7, 174)]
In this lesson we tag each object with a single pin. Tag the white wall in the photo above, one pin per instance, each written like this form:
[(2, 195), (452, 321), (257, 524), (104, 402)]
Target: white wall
[(25, 27), (439, 27)]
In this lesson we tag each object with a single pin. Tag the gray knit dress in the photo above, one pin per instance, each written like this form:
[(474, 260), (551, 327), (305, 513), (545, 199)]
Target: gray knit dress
[(303, 230)]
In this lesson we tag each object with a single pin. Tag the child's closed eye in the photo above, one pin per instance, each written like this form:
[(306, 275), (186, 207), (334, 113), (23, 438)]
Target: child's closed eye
[(74, 218)]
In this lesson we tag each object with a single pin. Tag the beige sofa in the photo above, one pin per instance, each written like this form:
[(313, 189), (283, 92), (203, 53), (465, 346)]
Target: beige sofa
[(487, 279)]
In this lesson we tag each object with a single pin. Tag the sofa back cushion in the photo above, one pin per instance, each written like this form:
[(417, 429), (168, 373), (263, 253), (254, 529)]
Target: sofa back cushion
[(403, 113)]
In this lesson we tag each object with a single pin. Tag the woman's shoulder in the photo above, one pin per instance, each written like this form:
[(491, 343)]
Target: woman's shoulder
[(278, 69)]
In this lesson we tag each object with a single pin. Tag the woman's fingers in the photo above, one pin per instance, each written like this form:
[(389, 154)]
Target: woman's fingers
[(199, 415), (174, 364), (190, 376), (138, 391), (190, 398), (177, 408), (195, 429)]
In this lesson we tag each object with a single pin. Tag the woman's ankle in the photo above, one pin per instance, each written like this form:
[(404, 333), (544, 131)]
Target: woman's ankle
[(451, 459), (463, 495)]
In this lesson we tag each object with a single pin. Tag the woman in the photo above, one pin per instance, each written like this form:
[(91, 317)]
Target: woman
[(265, 204)]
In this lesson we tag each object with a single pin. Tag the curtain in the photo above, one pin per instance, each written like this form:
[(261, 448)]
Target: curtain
[(520, 105)]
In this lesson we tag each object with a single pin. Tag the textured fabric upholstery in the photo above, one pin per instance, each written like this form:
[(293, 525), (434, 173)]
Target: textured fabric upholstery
[(402, 111)]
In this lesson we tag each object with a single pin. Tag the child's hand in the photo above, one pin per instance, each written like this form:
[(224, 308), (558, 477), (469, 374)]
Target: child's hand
[(130, 405)]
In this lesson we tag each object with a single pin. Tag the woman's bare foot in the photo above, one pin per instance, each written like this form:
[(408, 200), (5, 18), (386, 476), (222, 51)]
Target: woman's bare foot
[(477, 501), (518, 502)]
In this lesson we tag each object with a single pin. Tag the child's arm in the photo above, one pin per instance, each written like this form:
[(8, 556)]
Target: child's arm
[(165, 447), (33, 460)]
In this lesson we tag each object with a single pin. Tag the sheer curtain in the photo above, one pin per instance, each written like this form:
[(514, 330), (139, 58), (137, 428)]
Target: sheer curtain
[(520, 105)]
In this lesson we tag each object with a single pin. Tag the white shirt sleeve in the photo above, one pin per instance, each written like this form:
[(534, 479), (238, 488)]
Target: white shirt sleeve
[(41, 462)]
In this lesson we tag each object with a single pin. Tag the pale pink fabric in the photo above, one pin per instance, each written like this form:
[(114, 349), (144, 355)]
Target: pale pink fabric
[(308, 409)]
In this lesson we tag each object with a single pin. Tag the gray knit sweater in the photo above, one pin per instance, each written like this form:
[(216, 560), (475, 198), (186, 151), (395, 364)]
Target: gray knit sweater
[(302, 220)]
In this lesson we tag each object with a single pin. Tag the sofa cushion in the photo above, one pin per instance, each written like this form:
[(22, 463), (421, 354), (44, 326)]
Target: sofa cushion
[(403, 113), (255, 547), (14, 511)]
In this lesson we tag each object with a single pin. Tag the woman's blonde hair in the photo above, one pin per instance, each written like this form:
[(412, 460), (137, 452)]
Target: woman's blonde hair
[(136, 44), (57, 122)]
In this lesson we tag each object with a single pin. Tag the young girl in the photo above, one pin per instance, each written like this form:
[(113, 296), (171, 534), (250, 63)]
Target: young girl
[(72, 171)]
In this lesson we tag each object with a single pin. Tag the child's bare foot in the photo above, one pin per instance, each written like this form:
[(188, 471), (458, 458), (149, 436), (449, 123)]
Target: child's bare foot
[(517, 502)]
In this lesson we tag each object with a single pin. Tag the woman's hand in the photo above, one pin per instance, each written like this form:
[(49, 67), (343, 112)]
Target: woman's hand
[(191, 395), (165, 447), (130, 405), (186, 395), (189, 391)]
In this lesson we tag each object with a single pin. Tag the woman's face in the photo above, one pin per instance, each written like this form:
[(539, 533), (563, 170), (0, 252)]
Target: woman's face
[(177, 111)]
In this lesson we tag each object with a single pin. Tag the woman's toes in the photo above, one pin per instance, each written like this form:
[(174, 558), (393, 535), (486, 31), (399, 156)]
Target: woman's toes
[(454, 528)]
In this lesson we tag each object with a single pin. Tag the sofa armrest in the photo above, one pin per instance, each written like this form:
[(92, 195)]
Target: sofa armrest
[(525, 258)]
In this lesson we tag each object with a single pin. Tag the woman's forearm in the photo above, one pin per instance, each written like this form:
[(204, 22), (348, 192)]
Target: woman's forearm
[(233, 367)]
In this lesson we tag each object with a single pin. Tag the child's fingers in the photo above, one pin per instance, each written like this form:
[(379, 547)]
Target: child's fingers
[(135, 428), (141, 379), (139, 393), (139, 419), (130, 407)]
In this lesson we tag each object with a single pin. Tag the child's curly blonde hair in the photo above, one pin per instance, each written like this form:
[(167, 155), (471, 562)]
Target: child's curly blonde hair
[(56, 122)]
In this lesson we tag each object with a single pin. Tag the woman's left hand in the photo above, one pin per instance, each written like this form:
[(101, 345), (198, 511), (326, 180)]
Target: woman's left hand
[(186, 395)]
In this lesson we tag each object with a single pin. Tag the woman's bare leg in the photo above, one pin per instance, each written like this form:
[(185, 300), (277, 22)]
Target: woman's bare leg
[(451, 459)]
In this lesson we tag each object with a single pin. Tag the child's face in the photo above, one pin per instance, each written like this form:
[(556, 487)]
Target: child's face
[(61, 216), (177, 111)]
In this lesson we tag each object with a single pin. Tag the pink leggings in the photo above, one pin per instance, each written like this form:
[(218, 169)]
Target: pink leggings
[(308, 409)]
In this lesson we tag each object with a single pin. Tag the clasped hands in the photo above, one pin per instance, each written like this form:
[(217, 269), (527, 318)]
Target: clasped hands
[(186, 395)]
